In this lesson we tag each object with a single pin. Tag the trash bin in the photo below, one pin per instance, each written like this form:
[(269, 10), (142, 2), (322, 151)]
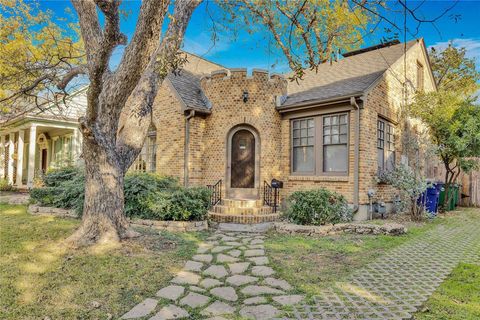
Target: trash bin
[(456, 195), (441, 199), (429, 199)]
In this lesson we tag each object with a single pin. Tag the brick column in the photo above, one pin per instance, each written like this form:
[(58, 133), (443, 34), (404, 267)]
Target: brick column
[(21, 141), (31, 155)]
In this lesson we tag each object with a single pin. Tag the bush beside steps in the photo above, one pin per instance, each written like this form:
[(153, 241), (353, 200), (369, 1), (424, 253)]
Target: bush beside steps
[(147, 197)]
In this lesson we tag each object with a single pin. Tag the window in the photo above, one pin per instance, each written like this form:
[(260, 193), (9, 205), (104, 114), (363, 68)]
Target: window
[(385, 145), (147, 159), (320, 145), (420, 76), (335, 149), (303, 145)]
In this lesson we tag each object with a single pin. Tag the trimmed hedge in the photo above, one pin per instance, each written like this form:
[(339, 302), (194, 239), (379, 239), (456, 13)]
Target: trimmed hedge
[(147, 196), (317, 207)]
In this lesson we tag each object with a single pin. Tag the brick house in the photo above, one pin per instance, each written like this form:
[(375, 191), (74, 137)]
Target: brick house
[(335, 129)]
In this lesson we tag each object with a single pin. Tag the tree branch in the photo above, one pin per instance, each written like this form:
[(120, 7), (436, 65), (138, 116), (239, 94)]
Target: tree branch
[(70, 75), (162, 61)]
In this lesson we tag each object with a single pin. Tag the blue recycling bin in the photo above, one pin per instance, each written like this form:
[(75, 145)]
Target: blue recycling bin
[(429, 199)]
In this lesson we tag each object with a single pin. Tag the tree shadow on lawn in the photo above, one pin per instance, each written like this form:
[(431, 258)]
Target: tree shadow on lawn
[(41, 277)]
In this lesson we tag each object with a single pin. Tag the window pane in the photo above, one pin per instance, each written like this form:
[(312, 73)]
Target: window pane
[(303, 124), (380, 162), (296, 142), (343, 138), (303, 159), (310, 123), (343, 119), (326, 130), (343, 129), (296, 124), (335, 139), (326, 121), (296, 133), (334, 129), (335, 158), (390, 161), (335, 120), (311, 132), (326, 139)]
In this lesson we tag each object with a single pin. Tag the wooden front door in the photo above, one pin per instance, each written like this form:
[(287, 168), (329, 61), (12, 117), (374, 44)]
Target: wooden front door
[(44, 160), (243, 160)]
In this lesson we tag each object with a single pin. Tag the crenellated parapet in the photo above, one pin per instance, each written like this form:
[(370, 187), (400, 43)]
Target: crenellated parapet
[(237, 82)]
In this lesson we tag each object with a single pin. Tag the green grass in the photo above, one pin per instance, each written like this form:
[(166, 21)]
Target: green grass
[(312, 264), (40, 277), (456, 298)]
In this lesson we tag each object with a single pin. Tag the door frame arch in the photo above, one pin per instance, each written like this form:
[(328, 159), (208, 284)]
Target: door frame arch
[(242, 193)]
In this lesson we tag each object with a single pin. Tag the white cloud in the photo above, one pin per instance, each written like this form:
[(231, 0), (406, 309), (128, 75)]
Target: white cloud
[(471, 45)]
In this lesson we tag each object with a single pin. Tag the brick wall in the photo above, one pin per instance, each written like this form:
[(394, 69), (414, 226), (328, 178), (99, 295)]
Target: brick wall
[(169, 120), (224, 91)]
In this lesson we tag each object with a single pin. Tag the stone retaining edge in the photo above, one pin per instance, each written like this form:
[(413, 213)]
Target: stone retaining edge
[(59, 212), (174, 226), (393, 229)]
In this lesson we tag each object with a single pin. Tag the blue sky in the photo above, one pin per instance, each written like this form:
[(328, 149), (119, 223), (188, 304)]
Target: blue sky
[(461, 25)]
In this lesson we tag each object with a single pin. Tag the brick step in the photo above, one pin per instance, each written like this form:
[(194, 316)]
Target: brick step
[(244, 219), (242, 203), (242, 210)]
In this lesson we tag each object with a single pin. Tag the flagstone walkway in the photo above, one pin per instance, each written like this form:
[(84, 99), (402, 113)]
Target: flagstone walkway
[(229, 276), (398, 283)]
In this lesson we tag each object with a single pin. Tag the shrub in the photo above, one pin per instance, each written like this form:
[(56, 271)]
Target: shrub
[(317, 207), (63, 188), (184, 204), (5, 186), (410, 186), (147, 195), (139, 187)]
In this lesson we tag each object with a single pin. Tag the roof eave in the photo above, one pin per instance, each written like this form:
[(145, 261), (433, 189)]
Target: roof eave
[(319, 102)]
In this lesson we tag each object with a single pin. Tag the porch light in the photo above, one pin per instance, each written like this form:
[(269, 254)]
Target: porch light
[(245, 96)]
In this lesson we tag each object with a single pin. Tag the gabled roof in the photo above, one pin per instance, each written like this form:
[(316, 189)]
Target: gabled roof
[(351, 75)]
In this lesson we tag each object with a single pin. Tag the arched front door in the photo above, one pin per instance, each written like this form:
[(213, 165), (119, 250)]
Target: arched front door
[(243, 163), (243, 160)]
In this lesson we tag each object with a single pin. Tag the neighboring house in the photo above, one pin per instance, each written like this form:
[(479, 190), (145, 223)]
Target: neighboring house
[(336, 128)]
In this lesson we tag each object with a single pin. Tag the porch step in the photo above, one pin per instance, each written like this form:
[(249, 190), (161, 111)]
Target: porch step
[(243, 219), (242, 210), (243, 203)]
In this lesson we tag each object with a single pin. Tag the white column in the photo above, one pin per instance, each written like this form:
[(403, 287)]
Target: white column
[(31, 155), (20, 146), (76, 144), (11, 150), (2, 157)]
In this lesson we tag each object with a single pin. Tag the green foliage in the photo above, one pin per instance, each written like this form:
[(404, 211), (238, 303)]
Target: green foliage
[(5, 186), (139, 187), (410, 186), (453, 71), (64, 188), (147, 195), (317, 207), (183, 204)]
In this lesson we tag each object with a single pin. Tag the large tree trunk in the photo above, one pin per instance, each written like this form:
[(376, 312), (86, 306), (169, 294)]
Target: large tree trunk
[(103, 214)]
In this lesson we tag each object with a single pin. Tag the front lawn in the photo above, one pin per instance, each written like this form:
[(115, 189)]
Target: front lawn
[(311, 264), (457, 298), (41, 279)]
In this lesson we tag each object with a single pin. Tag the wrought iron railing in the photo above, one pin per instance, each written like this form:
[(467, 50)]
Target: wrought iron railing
[(216, 196), (271, 196)]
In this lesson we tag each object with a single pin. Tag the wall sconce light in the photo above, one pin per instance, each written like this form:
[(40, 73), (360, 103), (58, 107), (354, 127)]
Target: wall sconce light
[(245, 96)]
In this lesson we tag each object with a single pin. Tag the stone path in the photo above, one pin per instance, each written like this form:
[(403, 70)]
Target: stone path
[(228, 277), (398, 283)]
